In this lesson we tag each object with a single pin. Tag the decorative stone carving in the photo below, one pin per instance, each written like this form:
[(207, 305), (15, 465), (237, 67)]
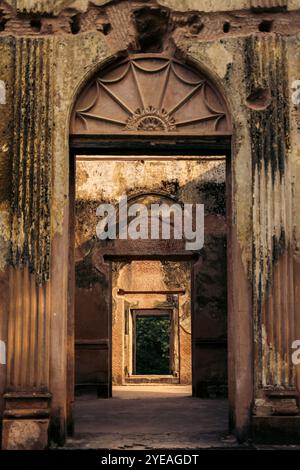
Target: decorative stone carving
[(151, 119), (137, 95)]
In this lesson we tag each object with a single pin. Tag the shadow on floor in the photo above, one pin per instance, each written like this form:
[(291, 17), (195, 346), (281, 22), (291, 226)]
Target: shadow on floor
[(149, 417)]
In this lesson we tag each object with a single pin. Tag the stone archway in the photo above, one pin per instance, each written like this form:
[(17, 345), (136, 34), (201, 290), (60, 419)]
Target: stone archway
[(154, 96)]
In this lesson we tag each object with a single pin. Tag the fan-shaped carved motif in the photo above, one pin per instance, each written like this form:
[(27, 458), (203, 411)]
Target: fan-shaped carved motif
[(150, 94)]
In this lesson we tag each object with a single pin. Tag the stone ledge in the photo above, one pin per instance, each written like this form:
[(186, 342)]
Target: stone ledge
[(276, 429)]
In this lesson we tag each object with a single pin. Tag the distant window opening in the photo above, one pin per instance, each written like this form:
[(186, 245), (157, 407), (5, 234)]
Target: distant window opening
[(152, 343)]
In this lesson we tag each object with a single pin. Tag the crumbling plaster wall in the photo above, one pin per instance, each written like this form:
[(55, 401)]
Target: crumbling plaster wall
[(180, 5), (106, 181)]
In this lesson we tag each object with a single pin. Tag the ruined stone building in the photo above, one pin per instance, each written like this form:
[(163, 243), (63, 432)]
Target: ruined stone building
[(165, 101)]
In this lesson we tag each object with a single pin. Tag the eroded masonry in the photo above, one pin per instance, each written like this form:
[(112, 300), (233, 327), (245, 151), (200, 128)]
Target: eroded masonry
[(165, 101)]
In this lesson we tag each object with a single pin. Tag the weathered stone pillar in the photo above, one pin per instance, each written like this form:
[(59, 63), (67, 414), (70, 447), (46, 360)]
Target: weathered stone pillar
[(275, 407), (6, 81), (27, 397)]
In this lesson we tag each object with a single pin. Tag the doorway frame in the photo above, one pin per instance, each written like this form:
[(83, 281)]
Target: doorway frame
[(172, 146), (147, 313)]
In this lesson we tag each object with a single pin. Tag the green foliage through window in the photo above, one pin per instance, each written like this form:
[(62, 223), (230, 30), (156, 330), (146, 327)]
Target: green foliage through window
[(152, 345)]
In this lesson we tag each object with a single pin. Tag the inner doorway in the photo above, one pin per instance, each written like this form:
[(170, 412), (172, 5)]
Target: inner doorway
[(118, 281), (153, 344)]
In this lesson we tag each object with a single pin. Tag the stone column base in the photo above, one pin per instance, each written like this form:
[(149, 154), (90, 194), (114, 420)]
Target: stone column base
[(26, 421), (276, 417), (276, 430), (25, 434)]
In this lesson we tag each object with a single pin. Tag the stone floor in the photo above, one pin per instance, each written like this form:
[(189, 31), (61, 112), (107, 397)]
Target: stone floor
[(150, 417)]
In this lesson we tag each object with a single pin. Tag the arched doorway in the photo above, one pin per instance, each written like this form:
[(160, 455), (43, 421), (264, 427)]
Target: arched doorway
[(149, 106)]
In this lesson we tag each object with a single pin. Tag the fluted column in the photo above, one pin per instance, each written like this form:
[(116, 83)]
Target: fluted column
[(27, 398), (273, 275)]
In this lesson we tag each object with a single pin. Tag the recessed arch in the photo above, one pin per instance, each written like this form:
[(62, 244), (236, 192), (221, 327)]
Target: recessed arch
[(150, 94)]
